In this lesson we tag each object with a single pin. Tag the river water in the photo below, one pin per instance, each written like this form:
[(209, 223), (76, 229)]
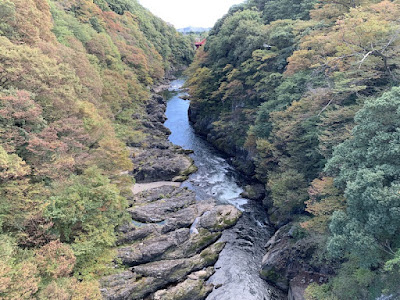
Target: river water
[(237, 269)]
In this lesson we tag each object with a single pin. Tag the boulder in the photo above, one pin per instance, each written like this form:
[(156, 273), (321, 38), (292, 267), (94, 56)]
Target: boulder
[(160, 165), (186, 216), (161, 192), (173, 270), (152, 249), (145, 279), (160, 210), (132, 233), (160, 204), (126, 286), (193, 288), (195, 244), (220, 217), (287, 258), (254, 192)]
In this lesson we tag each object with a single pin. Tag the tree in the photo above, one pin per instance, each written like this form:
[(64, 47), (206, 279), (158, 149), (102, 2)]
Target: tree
[(85, 212), (11, 166), (288, 190), (55, 260), (74, 76), (27, 21), (367, 168), (240, 34), (361, 48), (18, 276), (8, 17), (71, 288), (20, 116), (288, 9), (26, 68), (324, 199)]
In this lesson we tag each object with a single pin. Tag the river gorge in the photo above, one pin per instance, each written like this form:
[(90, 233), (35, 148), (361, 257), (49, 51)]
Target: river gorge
[(193, 234), (238, 266)]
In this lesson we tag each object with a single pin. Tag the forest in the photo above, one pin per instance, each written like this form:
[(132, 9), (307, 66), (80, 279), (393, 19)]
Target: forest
[(305, 96), (72, 74)]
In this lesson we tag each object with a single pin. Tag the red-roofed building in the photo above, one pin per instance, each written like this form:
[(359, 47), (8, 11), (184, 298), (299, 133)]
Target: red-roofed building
[(199, 44)]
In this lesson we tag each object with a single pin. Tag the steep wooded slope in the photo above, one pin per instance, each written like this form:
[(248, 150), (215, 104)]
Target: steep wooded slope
[(72, 74), (277, 86)]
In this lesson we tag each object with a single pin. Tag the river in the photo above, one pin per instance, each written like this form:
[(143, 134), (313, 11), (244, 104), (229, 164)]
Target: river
[(237, 269)]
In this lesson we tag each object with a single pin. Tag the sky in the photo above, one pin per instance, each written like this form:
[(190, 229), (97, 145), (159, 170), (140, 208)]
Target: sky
[(184, 13)]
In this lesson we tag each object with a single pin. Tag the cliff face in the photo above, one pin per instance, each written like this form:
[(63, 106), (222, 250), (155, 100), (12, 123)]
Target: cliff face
[(223, 136)]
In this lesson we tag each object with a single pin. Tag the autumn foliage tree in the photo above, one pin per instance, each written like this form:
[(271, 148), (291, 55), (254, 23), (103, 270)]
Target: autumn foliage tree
[(72, 75)]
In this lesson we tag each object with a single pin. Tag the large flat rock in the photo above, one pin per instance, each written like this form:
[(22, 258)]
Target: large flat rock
[(170, 245)]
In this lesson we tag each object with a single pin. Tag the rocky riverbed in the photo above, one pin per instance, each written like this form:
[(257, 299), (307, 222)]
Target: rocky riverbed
[(155, 158), (183, 244), (169, 248), (238, 267)]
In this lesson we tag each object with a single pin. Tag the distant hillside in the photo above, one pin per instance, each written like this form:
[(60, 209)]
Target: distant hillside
[(193, 29)]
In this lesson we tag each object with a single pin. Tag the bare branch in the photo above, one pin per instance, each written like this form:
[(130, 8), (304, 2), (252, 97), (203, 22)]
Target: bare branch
[(364, 58), (325, 107)]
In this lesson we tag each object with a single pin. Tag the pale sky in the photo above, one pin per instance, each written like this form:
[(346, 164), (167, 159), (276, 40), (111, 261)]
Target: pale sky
[(184, 13)]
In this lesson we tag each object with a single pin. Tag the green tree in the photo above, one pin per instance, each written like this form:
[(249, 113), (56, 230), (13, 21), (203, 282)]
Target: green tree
[(85, 212), (359, 52), (8, 18), (367, 168), (18, 274), (240, 34), (288, 190), (288, 9)]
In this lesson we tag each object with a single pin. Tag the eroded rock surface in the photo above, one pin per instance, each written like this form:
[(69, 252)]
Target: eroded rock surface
[(169, 249), (170, 246), (288, 263), (193, 288), (155, 158)]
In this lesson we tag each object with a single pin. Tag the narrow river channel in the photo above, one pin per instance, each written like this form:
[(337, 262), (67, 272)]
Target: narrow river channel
[(237, 270)]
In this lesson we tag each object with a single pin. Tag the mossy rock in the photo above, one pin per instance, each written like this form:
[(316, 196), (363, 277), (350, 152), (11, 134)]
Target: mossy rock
[(210, 255), (272, 276), (180, 178), (189, 170), (202, 240), (220, 218)]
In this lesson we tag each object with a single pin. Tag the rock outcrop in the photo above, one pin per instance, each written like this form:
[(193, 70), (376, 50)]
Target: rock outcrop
[(155, 158), (169, 246), (193, 288), (289, 265), (254, 192)]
